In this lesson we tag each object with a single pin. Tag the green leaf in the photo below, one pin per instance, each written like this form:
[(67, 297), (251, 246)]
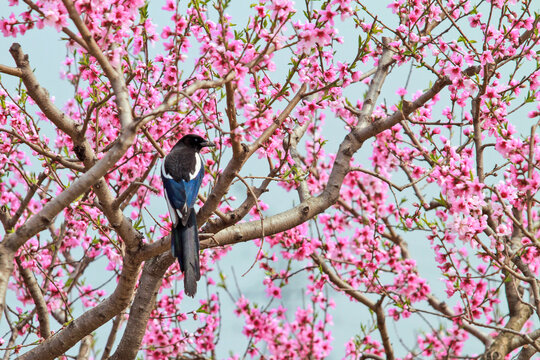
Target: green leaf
[(202, 310)]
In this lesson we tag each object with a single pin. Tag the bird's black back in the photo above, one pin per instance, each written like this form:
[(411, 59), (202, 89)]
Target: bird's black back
[(180, 163)]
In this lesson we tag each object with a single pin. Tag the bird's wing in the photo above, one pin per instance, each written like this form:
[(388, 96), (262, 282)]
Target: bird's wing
[(175, 194), (181, 195), (172, 211)]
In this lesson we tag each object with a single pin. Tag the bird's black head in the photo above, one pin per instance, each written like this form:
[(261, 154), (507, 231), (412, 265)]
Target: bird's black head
[(195, 142)]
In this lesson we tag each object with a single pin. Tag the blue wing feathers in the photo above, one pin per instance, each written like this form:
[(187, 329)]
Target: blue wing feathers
[(176, 192), (182, 192)]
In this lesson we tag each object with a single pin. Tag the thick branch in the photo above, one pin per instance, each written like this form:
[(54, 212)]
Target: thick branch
[(41, 220), (82, 148), (231, 114), (10, 70), (522, 340), (38, 93), (519, 314), (112, 336), (292, 143), (86, 346), (527, 353), (142, 306)]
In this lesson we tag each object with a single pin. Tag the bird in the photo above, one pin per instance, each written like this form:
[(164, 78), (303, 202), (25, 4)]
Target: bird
[(182, 172)]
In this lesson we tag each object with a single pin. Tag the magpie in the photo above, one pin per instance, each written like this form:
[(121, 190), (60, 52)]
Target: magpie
[(182, 172)]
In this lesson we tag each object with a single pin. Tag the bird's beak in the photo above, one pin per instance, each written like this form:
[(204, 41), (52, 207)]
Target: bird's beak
[(207, 143)]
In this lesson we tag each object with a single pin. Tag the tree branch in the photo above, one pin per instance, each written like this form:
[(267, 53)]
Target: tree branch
[(519, 314), (229, 173), (143, 304), (35, 291), (112, 336), (31, 191), (91, 319), (86, 345), (357, 295), (10, 70), (444, 309)]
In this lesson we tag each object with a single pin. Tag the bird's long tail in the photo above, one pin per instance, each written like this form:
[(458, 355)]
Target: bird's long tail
[(185, 247)]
